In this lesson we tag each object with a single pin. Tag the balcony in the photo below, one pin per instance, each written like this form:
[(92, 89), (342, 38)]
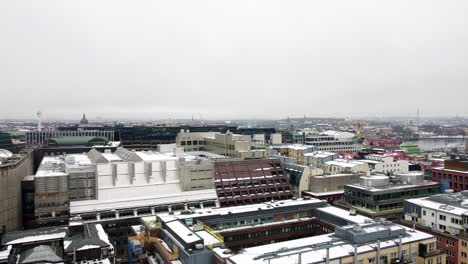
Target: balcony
[(433, 253)]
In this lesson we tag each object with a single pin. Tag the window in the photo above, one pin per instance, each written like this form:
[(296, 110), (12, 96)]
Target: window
[(424, 212), (442, 227), (449, 243), (442, 217)]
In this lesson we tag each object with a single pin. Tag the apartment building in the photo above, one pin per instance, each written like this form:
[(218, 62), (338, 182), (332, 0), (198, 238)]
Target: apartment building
[(446, 216)]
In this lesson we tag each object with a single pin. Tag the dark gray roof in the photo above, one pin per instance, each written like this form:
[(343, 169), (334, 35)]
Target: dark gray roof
[(40, 254), (34, 235), (90, 237)]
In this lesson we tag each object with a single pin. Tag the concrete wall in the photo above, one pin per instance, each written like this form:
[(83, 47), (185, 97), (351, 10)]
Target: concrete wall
[(10, 192)]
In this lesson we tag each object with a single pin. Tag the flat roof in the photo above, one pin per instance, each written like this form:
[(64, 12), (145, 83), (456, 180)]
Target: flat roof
[(51, 166), (250, 208), (184, 233), (344, 214), (438, 206), (345, 163), (287, 251), (88, 206), (393, 186)]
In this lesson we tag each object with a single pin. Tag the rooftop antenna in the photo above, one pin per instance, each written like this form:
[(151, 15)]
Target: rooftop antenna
[(39, 123)]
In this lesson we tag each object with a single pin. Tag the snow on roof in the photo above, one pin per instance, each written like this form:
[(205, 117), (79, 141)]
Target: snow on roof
[(51, 166), (78, 160), (392, 186), (345, 163), (438, 206), (185, 233), (345, 215), (154, 156), (77, 207), (111, 157), (5, 153), (41, 236), (320, 154), (339, 249), (5, 253), (247, 208), (208, 239)]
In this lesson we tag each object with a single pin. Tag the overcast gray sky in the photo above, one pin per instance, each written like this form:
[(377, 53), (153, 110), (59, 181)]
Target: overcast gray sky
[(228, 59)]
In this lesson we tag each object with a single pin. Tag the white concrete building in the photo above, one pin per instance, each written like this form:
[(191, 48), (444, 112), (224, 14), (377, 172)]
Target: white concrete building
[(346, 166), (334, 141), (229, 145), (386, 165), (442, 212)]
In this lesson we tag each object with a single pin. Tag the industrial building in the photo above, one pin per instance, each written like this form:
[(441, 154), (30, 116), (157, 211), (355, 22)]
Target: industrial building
[(382, 196), (123, 183), (13, 168)]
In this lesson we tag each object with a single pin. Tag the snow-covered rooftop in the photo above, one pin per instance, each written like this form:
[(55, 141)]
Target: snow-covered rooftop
[(77, 207), (288, 252), (344, 214), (345, 163), (185, 233)]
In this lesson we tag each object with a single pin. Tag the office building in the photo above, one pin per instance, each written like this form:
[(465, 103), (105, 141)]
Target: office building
[(175, 236), (333, 141), (363, 243), (13, 168), (382, 196), (228, 145)]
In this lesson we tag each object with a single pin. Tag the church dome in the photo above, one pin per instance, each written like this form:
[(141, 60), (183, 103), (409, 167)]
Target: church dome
[(83, 120)]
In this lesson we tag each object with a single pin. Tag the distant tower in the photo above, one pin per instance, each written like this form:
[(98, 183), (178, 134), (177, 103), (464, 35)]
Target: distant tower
[(83, 120), (39, 122), (417, 118)]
